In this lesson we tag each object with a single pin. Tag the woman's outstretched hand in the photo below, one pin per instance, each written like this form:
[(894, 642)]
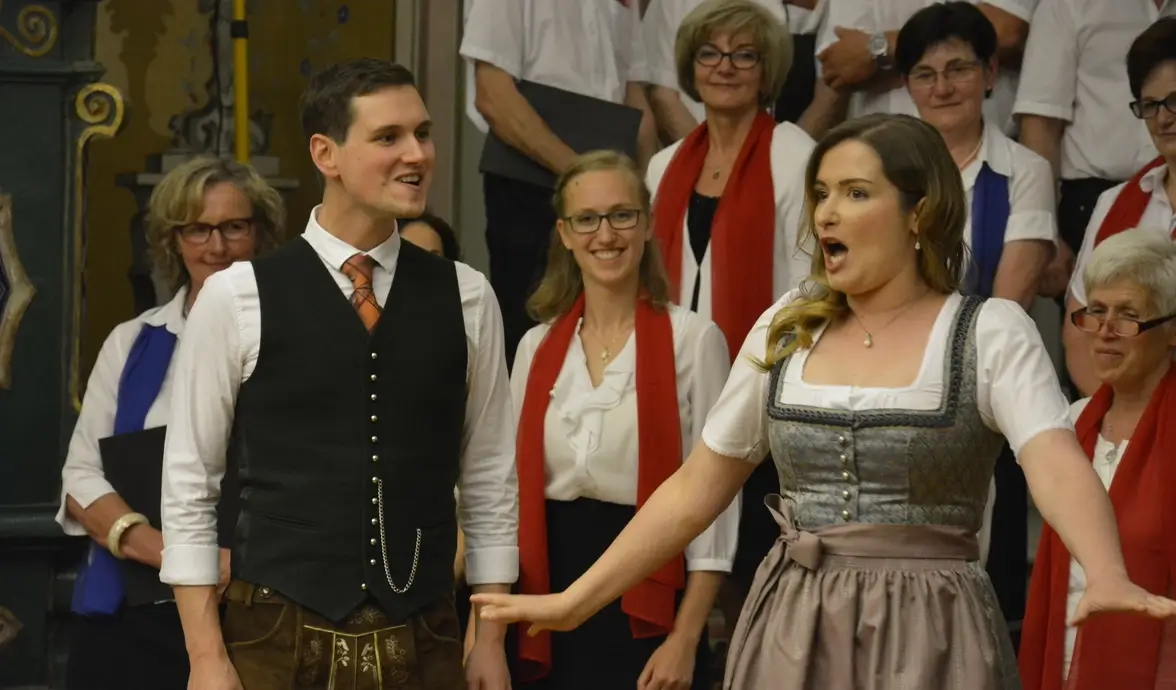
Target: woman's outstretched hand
[(1120, 595), (543, 612)]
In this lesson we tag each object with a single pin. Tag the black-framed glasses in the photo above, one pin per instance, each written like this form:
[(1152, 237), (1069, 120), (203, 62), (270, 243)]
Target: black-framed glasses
[(231, 229), (955, 73), (1149, 107), (710, 56), (588, 222), (1122, 326)]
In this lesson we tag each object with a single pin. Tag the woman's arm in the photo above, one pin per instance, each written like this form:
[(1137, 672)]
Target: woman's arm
[(142, 543), (681, 508), (1018, 275)]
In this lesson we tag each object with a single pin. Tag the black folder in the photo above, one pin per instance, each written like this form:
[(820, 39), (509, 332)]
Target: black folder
[(582, 122), (133, 464)]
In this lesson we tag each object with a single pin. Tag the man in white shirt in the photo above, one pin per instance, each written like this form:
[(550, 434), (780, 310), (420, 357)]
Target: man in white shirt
[(375, 383), (1072, 106), (589, 47), (855, 50)]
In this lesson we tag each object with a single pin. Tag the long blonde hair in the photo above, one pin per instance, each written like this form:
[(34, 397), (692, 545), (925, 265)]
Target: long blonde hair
[(916, 161), (562, 280)]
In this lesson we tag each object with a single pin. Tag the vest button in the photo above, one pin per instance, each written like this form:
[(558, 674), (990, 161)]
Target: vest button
[(375, 458), (373, 355), (845, 515), (844, 458), (373, 377), (373, 397), (373, 541), (373, 522), (265, 592), (841, 441), (373, 561), (375, 439), (374, 500), (363, 587), (845, 494), (845, 476), (373, 419), (375, 480)]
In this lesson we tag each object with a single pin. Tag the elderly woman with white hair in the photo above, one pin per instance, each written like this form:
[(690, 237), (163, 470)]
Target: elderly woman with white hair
[(1128, 429)]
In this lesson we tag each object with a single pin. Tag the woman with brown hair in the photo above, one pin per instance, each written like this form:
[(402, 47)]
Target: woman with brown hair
[(611, 391), (883, 395), (203, 216)]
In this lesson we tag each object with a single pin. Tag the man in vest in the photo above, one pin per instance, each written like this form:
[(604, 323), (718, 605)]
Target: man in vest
[(374, 384)]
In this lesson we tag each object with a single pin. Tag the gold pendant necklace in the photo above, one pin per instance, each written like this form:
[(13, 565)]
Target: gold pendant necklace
[(869, 340)]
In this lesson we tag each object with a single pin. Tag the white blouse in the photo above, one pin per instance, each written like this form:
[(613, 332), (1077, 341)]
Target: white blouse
[(590, 434), (82, 476), (1106, 461), (789, 156), (1018, 391), (1031, 187)]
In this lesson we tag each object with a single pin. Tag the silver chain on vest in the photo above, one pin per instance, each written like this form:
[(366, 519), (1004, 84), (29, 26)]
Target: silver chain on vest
[(416, 554)]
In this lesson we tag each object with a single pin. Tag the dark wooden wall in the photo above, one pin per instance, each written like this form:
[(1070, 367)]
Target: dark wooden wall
[(52, 105)]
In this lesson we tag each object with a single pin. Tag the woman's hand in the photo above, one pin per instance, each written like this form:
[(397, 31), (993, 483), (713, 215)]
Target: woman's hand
[(544, 612), (1120, 595), (226, 573), (671, 667)]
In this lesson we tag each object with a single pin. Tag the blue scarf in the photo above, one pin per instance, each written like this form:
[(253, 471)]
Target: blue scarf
[(99, 587), (990, 220)]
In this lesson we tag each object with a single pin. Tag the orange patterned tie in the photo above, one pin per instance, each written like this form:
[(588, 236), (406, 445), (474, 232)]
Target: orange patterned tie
[(359, 269)]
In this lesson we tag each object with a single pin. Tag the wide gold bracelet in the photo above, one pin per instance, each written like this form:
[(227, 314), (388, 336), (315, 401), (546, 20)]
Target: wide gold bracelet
[(121, 525)]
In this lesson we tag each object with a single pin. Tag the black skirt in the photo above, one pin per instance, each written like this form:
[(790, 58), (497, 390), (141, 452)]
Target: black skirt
[(139, 648), (601, 654)]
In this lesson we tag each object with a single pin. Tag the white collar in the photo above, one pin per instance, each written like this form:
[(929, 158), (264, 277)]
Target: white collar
[(995, 150), (1153, 180), (335, 251), (171, 315)]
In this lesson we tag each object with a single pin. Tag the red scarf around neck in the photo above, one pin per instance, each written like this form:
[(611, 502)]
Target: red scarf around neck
[(1129, 206), (742, 234), (1114, 650), (650, 604)]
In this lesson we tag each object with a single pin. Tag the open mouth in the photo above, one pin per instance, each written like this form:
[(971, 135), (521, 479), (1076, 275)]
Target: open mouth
[(607, 254), (413, 179), (835, 252)]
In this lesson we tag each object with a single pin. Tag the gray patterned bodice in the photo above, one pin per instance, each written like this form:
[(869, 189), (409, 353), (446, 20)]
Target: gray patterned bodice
[(890, 466)]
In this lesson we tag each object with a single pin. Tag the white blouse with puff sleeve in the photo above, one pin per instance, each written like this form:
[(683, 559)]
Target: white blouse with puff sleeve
[(1019, 394), (590, 433)]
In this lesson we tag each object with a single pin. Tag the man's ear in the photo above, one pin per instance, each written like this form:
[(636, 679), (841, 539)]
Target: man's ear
[(322, 153)]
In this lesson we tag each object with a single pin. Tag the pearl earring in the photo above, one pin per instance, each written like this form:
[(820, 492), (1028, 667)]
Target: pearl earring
[(918, 246)]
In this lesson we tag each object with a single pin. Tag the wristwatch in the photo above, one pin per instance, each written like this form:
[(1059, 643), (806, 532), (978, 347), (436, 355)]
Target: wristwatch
[(879, 47)]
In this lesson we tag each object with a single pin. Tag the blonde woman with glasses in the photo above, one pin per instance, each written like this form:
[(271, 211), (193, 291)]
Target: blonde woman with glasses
[(203, 216)]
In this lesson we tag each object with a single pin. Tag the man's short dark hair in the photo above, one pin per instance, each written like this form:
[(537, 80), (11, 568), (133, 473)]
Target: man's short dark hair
[(940, 23), (326, 104), (1150, 49)]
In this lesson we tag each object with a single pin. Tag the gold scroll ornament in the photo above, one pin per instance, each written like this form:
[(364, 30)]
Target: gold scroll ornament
[(100, 106), (36, 30), (21, 291)]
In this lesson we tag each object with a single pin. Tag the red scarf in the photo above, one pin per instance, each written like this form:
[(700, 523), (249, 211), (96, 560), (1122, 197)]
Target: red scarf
[(1129, 206), (651, 603), (1113, 650), (742, 234)]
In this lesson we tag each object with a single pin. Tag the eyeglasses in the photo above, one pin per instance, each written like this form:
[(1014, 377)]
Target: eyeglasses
[(710, 56), (1122, 326), (955, 73), (230, 230), (1147, 107), (588, 222)]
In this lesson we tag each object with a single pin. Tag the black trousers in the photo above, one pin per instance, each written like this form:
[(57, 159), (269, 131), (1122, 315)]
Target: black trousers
[(1076, 205), (140, 648), (520, 219), (1008, 558)]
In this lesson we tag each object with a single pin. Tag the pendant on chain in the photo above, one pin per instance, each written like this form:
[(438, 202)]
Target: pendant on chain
[(869, 341)]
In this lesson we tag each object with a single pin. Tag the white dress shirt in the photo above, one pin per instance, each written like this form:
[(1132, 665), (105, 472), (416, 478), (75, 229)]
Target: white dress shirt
[(1031, 187), (788, 158), (1017, 390), (220, 353), (82, 476), (1158, 215), (660, 27), (889, 15), (1075, 70), (590, 47), (590, 433), (1106, 461)]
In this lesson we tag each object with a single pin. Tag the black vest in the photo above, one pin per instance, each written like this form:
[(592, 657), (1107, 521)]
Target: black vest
[(347, 443)]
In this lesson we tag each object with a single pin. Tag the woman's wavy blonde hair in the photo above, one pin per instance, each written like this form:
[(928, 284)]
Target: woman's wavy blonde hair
[(916, 161), (178, 200), (562, 280)]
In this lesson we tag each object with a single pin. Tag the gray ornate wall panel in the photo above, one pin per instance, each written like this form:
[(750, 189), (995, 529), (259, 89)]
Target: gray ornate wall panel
[(51, 105)]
